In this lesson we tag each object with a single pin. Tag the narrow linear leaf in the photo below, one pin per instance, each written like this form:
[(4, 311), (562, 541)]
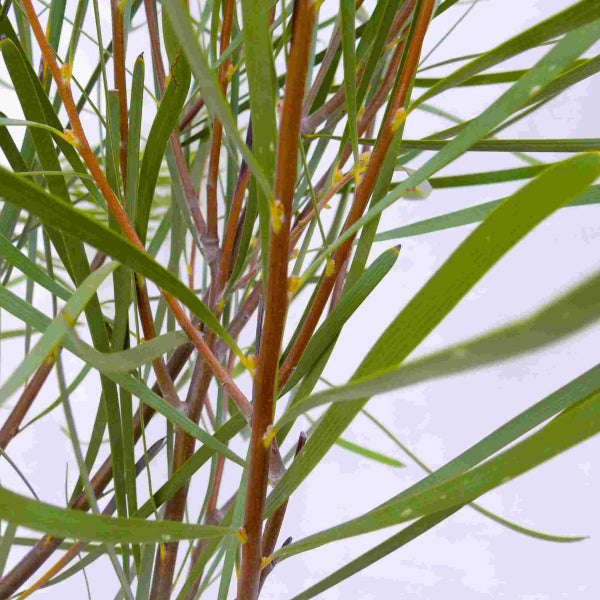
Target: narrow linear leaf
[(69, 523)]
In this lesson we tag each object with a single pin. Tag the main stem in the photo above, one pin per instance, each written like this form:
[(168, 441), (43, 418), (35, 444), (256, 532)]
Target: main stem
[(265, 381)]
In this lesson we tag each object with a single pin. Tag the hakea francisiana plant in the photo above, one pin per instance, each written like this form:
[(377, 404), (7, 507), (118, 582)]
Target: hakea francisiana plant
[(249, 141)]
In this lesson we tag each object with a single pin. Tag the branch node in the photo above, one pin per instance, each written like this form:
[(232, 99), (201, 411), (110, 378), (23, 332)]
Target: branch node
[(241, 535)]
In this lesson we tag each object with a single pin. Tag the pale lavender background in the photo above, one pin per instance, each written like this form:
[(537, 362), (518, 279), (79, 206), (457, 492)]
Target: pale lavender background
[(468, 556)]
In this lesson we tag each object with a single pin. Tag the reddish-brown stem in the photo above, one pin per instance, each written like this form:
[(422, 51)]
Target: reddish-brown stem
[(169, 393), (311, 122), (114, 205), (332, 48), (233, 218), (14, 420), (338, 287), (152, 23), (98, 260), (193, 110), (184, 444), (368, 118), (164, 566), (363, 190), (274, 522), (330, 53), (265, 380), (211, 505), (118, 32), (62, 80), (191, 195), (273, 526), (217, 136)]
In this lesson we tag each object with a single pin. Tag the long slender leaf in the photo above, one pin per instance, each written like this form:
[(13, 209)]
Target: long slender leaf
[(66, 522)]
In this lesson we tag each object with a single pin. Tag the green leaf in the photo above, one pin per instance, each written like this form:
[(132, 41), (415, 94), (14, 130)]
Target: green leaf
[(260, 69), (52, 211), (510, 525), (69, 523), (504, 227), (569, 48), (163, 125), (541, 145), (31, 270), (371, 454), (126, 361), (348, 43), (473, 214), (565, 316), (56, 331), (133, 143), (346, 307)]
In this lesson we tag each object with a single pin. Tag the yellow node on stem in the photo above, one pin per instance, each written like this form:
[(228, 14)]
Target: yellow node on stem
[(69, 320), (268, 437), (329, 268), (363, 161), (241, 535), (265, 561), (250, 362), (230, 72), (65, 72), (277, 215), (399, 118), (337, 175), (70, 137)]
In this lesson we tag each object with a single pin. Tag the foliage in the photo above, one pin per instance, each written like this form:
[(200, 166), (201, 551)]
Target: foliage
[(205, 177)]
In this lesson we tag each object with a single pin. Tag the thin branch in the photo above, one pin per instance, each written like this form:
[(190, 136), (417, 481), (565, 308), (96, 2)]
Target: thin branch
[(61, 77), (118, 31), (194, 109), (217, 135), (233, 218), (14, 420)]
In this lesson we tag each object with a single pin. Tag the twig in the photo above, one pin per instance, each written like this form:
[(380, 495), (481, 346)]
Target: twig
[(36, 557), (217, 135), (14, 420), (194, 109), (120, 81)]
